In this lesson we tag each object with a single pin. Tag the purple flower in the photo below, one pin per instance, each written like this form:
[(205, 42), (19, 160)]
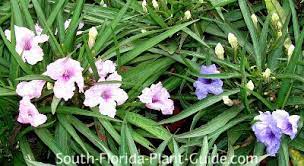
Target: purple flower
[(66, 72), (107, 96), (31, 89), (204, 86), (27, 43), (267, 132), (157, 98), (287, 124), (104, 68), (28, 113)]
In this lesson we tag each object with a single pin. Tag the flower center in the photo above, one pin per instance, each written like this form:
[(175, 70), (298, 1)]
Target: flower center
[(106, 94), (155, 99), (289, 127), (271, 135), (27, 45), (207, 81), (67, 75), (29, 113)]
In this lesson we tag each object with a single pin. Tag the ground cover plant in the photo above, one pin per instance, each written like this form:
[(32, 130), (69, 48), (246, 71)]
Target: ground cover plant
[(153, 82)]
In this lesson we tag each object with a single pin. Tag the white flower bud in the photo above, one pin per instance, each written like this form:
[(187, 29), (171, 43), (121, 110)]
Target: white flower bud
[(290, 51), (227, 101), (93, 32), (275, 18), (266, 74), (250, 85), (233, 40), (144, 6), (253, 67), (254, 19), (143, 31), (155, 4), (49, 86), (287, 43), (187, 15), (279, 25), (92, 36), (219, 51), (279, 33)]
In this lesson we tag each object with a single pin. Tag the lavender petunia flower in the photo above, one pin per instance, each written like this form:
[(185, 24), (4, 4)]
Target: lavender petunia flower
[(267, 132), (204, 86), (158, 98), (31, 89), (287, 124), (107, 96), (66, 72), (105, 68), (27, 43), (28, 113)]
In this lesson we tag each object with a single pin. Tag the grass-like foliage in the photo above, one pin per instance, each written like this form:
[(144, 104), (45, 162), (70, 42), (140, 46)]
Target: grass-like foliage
[(256, 46)]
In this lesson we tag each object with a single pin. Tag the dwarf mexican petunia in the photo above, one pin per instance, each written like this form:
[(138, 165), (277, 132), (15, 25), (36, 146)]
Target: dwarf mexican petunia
[(204, 86), (157, 98), (104, 68), (31, 89), (27, 44), (66, 72), (267, 132), (287, 124), (28, 113), (107, 96)]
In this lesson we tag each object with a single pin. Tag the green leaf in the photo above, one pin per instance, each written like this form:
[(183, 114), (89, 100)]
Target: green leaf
[(41, 17), (69, 128), (56, 11), (176, 154), (295, 22), (202, 159), (27, 14), (7, 92), (198, 106), (91, 60), (35, 77), (220, 3), (36, 163), (62, 139), (26, 149), (148, 125), (131, 144), (71, 30), (158, 152), (123, 148), (83, 129), (290, 69), (195, 37), (258, 149), (213, 125), (230, 155), (283, 155), (16, 12), (147, 44), (104, 36), (252, 31), (54, 104), (48, 139)]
